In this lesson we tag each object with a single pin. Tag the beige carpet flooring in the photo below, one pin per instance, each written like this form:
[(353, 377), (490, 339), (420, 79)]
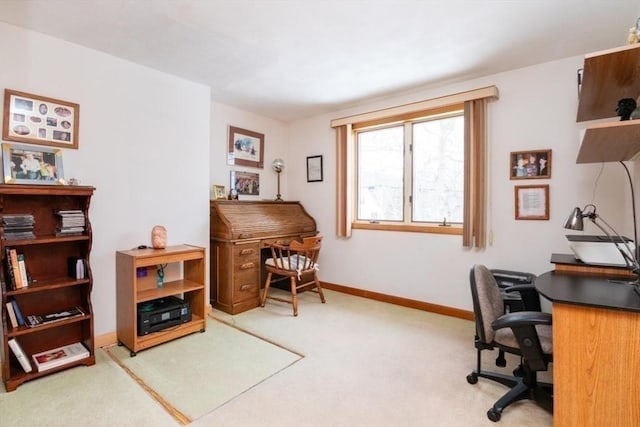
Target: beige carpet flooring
[(369, 364), (365, 363), (100, 395)]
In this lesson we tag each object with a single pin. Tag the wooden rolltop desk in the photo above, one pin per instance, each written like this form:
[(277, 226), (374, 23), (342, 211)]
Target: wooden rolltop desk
[(239, 230)]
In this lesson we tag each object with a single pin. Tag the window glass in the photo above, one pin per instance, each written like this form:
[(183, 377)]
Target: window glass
[(438, 170), (380, 176), (434, 167)]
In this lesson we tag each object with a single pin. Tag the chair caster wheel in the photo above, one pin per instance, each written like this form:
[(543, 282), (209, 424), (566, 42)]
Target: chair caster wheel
[(472, 378), (518, 372), (501, 362), (493, 415)]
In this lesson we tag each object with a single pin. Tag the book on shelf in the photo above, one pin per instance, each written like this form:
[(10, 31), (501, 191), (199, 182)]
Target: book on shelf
[(11, 283), (33, 320), (22, 266), (12, 315), (59, 356), (15, 268), (20, 355), (18, 312)]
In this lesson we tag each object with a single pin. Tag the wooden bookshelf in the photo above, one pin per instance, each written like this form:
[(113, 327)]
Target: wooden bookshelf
[(51, 289)]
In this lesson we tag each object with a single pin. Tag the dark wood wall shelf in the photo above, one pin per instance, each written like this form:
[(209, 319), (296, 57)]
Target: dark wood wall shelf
[(609, 76)]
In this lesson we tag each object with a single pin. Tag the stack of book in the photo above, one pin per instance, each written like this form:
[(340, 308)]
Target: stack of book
[(59, 356), (72, 223), (16, 271), (18, 226)]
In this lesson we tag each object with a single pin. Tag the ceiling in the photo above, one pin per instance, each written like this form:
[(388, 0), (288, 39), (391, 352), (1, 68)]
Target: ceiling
[(290, 59)]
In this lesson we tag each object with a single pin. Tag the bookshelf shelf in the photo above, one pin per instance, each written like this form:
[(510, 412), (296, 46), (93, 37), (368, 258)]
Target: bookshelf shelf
[(50, 288)]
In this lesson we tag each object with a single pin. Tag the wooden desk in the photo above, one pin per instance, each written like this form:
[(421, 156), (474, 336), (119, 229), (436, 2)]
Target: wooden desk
[(239, 230), (596, 349)]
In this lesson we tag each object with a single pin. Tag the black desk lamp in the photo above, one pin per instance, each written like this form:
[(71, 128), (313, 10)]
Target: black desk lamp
[(575, 222)]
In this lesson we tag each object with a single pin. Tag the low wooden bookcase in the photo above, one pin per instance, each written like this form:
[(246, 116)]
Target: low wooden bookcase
[(132, 290)]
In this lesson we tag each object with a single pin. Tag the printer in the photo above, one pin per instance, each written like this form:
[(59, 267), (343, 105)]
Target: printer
[(162, 313), (600, 250)]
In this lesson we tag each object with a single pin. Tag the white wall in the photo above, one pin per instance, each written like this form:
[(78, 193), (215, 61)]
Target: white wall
[(536, 110), (153, 161), (144, 145)]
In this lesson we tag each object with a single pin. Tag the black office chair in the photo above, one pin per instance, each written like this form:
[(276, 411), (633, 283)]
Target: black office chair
[(524, 333)]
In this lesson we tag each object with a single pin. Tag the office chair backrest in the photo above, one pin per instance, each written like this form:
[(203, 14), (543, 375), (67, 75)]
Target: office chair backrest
[(487, 301)]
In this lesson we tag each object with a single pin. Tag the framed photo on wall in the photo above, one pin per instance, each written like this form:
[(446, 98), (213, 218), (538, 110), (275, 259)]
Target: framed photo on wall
[(532, 202), (25, 164), (40, 120), (534, 164), (246, 148), (314, 168)]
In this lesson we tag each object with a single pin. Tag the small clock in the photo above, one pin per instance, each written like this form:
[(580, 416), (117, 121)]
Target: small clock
[(233, 194)]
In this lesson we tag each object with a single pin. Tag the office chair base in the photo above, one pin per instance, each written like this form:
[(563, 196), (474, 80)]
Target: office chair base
[(541, 393)]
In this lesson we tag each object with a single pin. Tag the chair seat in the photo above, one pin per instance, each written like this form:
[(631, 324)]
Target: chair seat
[(507, 338), (293, 263)]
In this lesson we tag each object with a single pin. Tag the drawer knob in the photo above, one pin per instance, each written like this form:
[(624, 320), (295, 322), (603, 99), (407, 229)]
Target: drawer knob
[(246, 287), (247, 265), (246, 252)]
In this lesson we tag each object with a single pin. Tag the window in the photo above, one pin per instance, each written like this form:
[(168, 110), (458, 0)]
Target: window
[(411, 172), (421, 204)]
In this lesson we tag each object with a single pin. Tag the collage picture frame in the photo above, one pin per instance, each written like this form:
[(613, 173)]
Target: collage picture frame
[(40, 120)]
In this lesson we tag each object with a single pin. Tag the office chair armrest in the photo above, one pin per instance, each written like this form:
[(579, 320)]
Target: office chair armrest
[(521, 318), (507, 278), (528, 294), (520, 288)]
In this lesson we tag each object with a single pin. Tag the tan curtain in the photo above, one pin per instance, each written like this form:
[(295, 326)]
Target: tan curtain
[(474, 232), (343, 181)]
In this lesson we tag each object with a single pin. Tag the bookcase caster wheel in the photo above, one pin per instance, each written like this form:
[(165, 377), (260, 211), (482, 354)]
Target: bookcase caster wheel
[(120, 344), (132, 354), (202, 330)]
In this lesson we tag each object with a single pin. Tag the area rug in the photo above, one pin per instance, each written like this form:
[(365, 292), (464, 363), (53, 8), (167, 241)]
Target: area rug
[(193, 375)]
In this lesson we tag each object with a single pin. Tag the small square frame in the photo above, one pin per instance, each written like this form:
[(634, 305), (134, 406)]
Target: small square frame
[(532, 164), (314, 168), (246, 148), (219, 192), (532, 202), (40, 120), (50, 171)]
